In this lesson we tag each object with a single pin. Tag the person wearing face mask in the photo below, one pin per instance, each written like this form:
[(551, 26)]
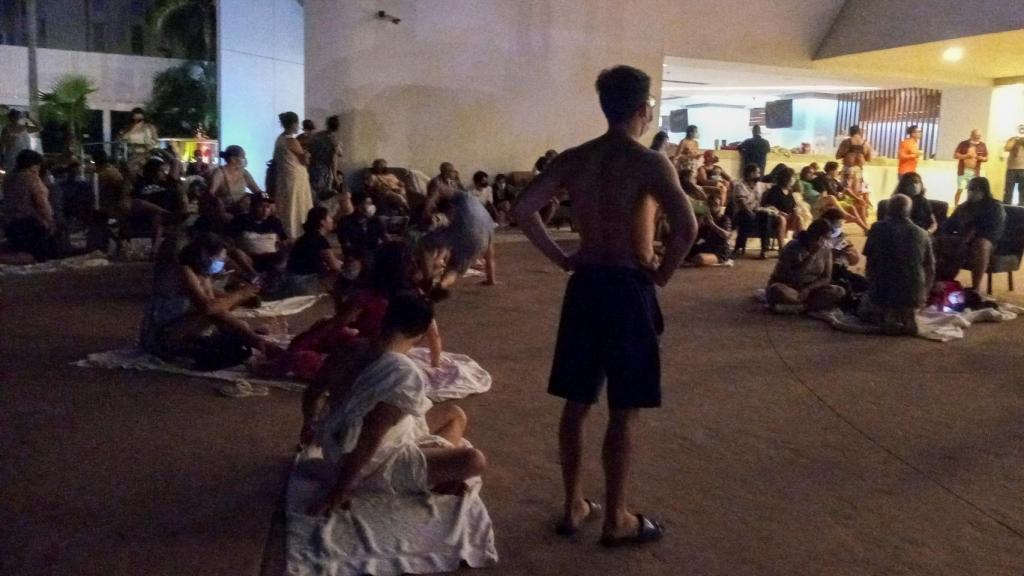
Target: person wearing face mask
[(139, 137), (967, 239), (187, 320), (16, 136), (363, 230), (803, 274), (714, 229), (844, 255), (504, 196), (911, 186), (231, 183), (900, 270)]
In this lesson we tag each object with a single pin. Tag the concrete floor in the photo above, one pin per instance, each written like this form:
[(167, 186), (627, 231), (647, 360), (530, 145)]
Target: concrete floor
[(783, 447)]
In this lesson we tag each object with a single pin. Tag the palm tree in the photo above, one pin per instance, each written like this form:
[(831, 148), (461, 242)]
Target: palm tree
[(68, 105), (190, 24)]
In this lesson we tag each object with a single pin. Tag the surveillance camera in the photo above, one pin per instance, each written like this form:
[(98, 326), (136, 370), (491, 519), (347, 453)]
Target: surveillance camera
[(385, 16)]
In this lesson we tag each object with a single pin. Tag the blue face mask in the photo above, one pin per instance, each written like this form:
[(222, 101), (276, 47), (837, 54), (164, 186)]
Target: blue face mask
[(216, 267)]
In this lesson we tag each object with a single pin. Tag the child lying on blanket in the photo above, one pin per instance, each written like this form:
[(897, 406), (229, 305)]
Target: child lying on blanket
[(359, 305), (385, 435)]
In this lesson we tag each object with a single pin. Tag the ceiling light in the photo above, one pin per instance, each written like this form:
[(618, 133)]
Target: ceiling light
[(953, 54)]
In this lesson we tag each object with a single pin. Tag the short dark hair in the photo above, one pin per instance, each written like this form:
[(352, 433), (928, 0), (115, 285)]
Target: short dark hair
[(480, 175), (750, 169), (830, 166), (409, 314), (333, 123), (308, 124), (833, 214), (138, 110), (854, 130), (231, 152), (912, 128), (981, 184), (622, 90), (314, 217), (288, 119), (817, 230), (782, 177), (691, 130), (27, 159)]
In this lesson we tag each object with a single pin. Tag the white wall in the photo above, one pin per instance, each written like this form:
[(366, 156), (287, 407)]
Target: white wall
[(491, 84), (123, 82), (814, 122), (962, 110), (726, 123), (261, 55)]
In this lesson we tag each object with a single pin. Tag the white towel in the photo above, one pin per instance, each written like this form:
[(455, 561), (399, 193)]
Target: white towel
[(457, 377), (383, 534), (277, 308)]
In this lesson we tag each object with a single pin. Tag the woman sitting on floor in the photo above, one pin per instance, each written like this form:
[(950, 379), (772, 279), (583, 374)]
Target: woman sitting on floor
[(803, 274), (187, 318), (386, 435), (713, 231), (312, 262)]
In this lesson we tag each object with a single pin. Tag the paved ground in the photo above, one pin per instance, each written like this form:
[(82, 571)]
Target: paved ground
[(783, 447)]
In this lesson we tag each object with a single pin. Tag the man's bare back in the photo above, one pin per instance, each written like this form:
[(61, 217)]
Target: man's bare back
[(608, 180)]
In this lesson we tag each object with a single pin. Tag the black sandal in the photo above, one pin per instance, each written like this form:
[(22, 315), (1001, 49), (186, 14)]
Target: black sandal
[(594, 509), (648, 531)]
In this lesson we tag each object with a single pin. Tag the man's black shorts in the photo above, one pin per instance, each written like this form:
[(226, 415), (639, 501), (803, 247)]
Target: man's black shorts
[(609, 330)]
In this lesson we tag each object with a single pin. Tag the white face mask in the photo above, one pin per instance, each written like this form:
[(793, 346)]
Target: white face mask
[(918, 188), (350, 272), (370, 210), (837, 230)]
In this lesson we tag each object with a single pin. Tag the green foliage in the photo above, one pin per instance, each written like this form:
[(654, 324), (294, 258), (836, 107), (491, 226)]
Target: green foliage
[(184, 100), (188, 26), (68, 105)]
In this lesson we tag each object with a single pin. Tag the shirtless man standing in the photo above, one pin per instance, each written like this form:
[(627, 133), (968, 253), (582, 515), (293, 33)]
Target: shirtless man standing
[(971, 153), (610, 321)]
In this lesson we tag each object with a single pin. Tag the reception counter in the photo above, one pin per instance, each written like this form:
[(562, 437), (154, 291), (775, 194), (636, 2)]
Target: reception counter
[(939, 176)]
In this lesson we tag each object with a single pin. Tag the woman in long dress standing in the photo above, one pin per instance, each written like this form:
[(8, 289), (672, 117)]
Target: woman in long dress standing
[(293, 194)]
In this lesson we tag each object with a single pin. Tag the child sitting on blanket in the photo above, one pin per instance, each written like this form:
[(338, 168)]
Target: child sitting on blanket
[(385, 435)]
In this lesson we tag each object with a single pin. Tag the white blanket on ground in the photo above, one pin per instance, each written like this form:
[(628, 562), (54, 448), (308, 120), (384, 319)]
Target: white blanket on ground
[(277, 308), (457, 377), (83, 262), (932, 324), (383, 534)]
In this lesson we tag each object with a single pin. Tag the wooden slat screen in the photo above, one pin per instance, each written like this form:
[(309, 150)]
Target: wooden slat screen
[(884, 116)]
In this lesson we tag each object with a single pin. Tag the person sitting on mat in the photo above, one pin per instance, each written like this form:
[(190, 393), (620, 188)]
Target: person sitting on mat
[(803, 274), (386, 435)]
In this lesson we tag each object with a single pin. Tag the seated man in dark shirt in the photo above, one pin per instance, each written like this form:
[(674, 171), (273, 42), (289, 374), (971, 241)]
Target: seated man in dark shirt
[(259, 236), (362, 231), (970, 235)]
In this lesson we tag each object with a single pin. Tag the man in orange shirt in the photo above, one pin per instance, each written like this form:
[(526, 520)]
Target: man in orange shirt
[(910, 151)]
